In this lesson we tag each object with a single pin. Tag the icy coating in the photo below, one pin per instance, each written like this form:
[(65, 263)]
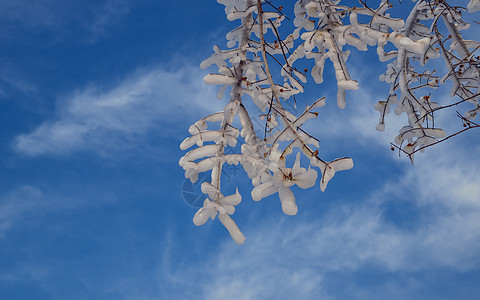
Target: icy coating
[(322, 29)]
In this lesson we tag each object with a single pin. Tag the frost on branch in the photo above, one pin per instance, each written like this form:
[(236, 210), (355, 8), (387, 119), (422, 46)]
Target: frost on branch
[(324, 30), (245, 70), (280, 182), (473, 6), (410, 74), (330, 25)]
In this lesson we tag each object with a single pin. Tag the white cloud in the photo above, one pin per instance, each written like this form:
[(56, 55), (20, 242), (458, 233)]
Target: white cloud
[(107, 119), (63, 17), (25, 204), (9, 80), (17, 204), (31, 13), (111, 13), (269, 282)]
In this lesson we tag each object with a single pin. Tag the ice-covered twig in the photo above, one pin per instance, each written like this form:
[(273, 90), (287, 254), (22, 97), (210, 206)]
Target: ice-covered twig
[(245, 69), (324, 29)]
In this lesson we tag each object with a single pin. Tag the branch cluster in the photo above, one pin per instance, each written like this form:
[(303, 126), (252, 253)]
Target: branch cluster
[(322, 29)]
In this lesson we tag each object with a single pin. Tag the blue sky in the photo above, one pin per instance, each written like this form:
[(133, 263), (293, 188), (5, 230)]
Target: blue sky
[(96, 96)]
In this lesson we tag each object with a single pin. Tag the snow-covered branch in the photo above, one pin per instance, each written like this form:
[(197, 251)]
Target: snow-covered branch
[(323, 30)]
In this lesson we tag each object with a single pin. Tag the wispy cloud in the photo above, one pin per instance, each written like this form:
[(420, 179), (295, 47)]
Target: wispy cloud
[(107, 119), (30, 13), (111, 13), (10, 82), (25, 204), (15, 205), (89, 21)]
